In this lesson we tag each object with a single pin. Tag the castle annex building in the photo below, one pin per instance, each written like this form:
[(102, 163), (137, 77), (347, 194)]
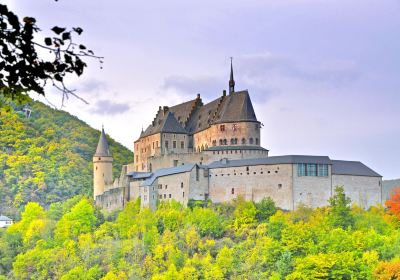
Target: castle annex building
[(212, 151)]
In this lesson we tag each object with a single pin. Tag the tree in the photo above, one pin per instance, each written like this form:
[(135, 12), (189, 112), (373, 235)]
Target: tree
[(24, 70), (265, 209), (340, 214), (393, 204)]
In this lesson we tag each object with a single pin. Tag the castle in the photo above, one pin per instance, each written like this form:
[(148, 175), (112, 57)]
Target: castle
[(212, 151)]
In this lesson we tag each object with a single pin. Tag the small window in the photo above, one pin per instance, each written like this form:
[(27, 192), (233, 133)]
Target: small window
[(165, 196), (243, 141), (182, 145), (166, 144), (222, 127), (247, 168), (174, 144), (170, 195), (183, 194), (251, 141), (166, 186), (181, 185), (233, 191), (279, 186)]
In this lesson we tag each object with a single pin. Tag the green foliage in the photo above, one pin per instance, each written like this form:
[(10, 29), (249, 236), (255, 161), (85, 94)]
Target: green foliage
[(72, 240), (265, 209), (341, 215), (47, 158)]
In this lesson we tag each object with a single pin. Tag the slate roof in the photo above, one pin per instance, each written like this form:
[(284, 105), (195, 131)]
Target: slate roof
[(288, 159), (5, 219), (171, 125), (194, 116), (168, 171), (102, 147), (139, 175), (238, 107), (342, 167)]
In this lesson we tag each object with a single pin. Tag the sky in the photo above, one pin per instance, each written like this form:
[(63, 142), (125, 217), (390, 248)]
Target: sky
[(323, 75)]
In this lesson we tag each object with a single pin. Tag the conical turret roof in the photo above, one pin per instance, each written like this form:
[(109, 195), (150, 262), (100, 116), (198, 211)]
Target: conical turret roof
[(102, 147)]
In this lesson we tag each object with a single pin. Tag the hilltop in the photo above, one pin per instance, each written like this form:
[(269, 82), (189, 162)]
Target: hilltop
[(48, 157)]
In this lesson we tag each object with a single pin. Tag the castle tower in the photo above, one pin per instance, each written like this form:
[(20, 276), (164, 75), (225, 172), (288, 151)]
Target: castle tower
[(102, 166)]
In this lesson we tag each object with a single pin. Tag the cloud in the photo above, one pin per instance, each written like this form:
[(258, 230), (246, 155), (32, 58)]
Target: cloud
[(92, 85), (208, 87), (266, 67), (108, 107)]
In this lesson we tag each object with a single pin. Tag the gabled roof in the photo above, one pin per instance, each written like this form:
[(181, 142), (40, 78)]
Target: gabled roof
[(5, 219), (171, 125), (140, 175), (102, 147), (168, 171), (356, 168)]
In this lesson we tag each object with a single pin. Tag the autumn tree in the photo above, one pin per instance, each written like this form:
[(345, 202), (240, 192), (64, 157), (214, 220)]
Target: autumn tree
[(393, 204)]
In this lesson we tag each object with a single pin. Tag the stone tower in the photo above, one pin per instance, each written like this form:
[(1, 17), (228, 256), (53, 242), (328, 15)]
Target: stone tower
[(102, 166)]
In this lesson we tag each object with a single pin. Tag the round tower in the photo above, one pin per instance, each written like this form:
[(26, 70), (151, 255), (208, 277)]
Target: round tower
[(102, 166)]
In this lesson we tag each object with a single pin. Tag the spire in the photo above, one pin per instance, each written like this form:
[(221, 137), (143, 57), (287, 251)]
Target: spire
[(102, 147), (231, 80)]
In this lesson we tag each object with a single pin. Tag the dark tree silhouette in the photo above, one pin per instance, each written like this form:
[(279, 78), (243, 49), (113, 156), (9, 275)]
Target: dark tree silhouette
[(23, 70)]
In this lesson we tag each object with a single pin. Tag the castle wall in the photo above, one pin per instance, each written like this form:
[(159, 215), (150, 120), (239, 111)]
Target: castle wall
[(177, 143), (312, 191), (227, 133), (364, 191), (113, 199), (253, 183), (146, 147)]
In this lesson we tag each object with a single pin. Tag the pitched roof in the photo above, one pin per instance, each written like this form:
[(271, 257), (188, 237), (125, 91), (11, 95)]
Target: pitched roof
[(5, 218), (289, 159), (168, 171), (171, 125), (102, 147), (356, 168), (194, 116), (238, 107), (140, 175)]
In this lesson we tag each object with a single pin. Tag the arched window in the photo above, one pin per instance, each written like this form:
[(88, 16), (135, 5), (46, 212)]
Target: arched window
[(220, 142), (251, 141), (236, 141), (243, 141), (214, 143), (202, 147), (257, 141), (206, 147), (232, 141), (225, 142)]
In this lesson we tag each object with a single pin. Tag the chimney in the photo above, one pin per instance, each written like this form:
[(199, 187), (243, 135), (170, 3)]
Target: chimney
[(165, 109)]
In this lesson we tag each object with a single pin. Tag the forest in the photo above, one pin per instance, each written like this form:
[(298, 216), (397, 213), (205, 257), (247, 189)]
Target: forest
[(237, 240), (47, 157)]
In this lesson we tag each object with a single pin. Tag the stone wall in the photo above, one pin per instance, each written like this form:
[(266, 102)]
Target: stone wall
[(364, 191), (144, 148), (102, 174), (226, 132), (311, 191), (253, 183)]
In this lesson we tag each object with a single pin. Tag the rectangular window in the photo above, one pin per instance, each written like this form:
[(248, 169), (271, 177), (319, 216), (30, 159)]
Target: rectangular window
[(175, 162), (312, 169), (174, 144), (233, 191), (322, 170), (166, 144), (157, 144), (182, 145), (222, 127), (165, 196), (183, 194), (170, 195)]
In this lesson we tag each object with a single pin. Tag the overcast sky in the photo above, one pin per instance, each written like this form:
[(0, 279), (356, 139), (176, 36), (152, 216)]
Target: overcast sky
[(323, 75)]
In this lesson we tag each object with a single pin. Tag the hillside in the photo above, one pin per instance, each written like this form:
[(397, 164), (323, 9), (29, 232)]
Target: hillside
[(47, 157)]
